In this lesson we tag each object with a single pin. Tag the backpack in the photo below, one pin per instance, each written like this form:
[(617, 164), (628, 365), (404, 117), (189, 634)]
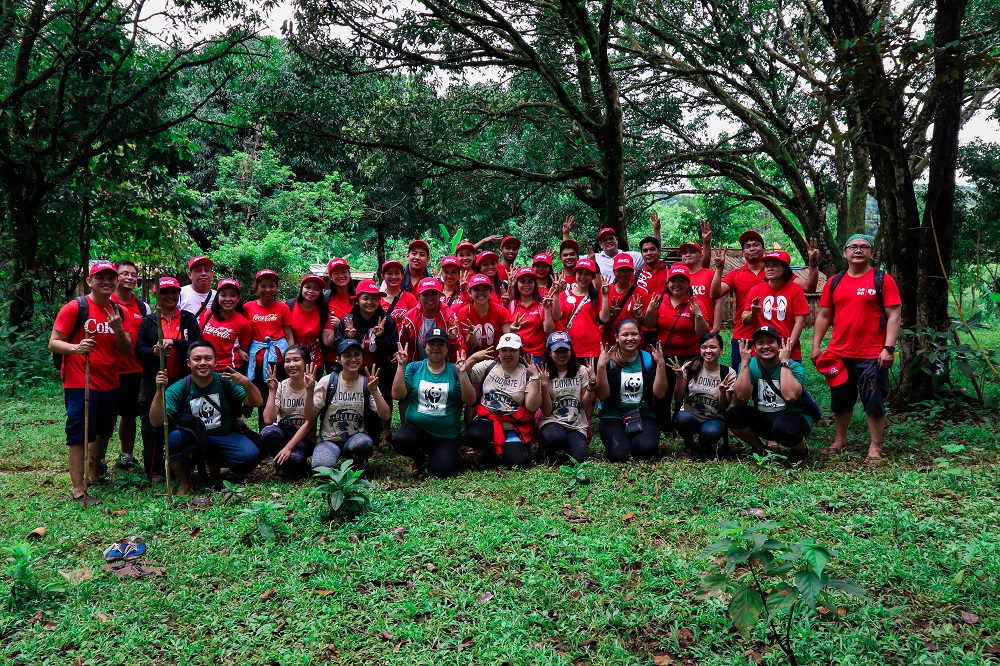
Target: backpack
[(82, 312), (879, 282), (331, 389)]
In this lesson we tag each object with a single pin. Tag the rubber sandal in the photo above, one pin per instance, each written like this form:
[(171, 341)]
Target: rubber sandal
[(90, 500), (871, 460), (116, 551), (201, 503), (134, 549)]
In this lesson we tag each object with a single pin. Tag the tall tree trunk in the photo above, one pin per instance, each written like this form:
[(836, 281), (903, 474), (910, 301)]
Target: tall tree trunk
[(614, 173), (22, 211)]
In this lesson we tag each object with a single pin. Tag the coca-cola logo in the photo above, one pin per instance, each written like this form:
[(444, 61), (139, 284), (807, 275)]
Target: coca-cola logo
[(266, 317), (93, 326), (698, 289), (219, 332)]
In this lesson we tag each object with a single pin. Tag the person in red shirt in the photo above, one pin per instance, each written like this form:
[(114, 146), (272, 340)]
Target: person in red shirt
[(653, 275), (623, 299), (741, 280), (465, 251), (577, 311), (487, 263), (227, 330), (679, 324), (509, 247), (339, 300), (429, 314), (865, 330), (180, 329), (529, 319), (542, 263), (397, 301), (418, 255), (701, 281), (779, 302), (482, 321), (130, 377), (309, 315), (271, 330), (103, 336), (452, 295), (569, 254)]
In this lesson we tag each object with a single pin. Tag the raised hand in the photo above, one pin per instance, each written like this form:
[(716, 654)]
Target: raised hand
[(453, 329), (508, 295), (591, 366), (813, 252), (463, 279), (405, 329), (379, 328), (675, 365), (482, 355), (654, 217), (728, 382), (559, 285), (599, 282), (402, 356), (605, 356), (706, 233), (636, 305), (567, 226), (349, 330), (654, 303), (114, 319), (755, 304), (605, 288), (468, 331), (235, 377), (532, 368), (785, 350), (551, 251), (543, 375), (271, 377), (695, 308), (657, 353), (746, 351), (518, 322), (590, 252), (720, 258), (372, 373), (310, 376), (548, 301)]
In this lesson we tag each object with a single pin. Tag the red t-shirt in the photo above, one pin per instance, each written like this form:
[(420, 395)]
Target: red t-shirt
[(856, 315), (741, 280), (131, 316), (654, 282), (407, 301), (779, 308), (228, 337), (585, 333), (683, 340), (105, 359), (615, 300), (701, 282), (502, 271), (487, 329), (455, 301), (340, 306), (532, 330), (306, 328), (172, 330), (267, 322)]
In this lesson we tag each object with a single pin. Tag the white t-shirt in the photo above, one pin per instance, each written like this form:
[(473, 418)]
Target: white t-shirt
[(291, 406), (702, 399), (503, 393), (606, 264), (567, 408), (345, 417), (191, 300)]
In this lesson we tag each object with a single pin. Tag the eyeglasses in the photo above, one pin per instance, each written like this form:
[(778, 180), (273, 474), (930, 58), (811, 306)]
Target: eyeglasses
[(858, 248)]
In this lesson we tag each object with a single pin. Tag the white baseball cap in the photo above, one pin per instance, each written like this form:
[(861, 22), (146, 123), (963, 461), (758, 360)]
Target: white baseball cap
[(509, 341)]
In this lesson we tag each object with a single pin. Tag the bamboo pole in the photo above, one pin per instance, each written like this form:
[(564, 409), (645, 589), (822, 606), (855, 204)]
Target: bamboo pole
[(86, 426), (163, 398)]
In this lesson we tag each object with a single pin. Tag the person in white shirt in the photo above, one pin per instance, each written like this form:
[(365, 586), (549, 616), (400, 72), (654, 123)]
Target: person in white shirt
[(197, 297)]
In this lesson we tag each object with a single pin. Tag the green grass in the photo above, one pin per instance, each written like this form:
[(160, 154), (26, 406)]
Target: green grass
[(507, 567)]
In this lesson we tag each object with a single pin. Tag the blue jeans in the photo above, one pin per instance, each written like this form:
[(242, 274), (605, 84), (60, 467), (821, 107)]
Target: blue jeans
[(327, 453), (709, 432), (233, 451), (734, 354)]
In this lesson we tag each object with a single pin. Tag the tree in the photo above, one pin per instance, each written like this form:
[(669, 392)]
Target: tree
[(79, 80)]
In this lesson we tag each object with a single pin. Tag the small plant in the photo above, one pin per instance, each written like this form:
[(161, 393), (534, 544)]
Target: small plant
[(578, 473), (973, 561), (268, 524), (25, 586), (344, 488), (157, 517), (232, 492), (771, 578), (125, 479)]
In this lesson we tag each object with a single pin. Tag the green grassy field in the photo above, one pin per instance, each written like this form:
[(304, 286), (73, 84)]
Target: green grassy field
[(495, 567)]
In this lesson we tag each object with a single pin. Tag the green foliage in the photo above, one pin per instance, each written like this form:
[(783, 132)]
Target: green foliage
[(973, 559), (941, 352), (344, 489), (577, 473), (158, 517), (232, 492), (24, 358), (25, 586), (771, 578), (267, 522)]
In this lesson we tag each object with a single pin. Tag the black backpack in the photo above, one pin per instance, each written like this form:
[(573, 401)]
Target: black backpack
[(879, 282), (331, 389)]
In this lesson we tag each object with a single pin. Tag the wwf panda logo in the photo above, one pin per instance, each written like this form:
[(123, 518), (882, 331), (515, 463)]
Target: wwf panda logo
[(632, 384), (433, 395)]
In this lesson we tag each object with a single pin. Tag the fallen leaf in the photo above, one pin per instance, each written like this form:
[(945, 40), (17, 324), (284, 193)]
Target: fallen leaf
[(325, 593), (662, 660), (386, 635), (79, 660), (822, 610), (656, 489), (281, 627), (551, 535), (102, 618), (754, 656), (38, 533), (466, 643), (276, 495), (430, 566), (398, 530), (756, 513), (354, 539), (119, 512), (398, 645), (685, 637), (628, 516), (841, 611), (969, 618), (195, 532), (77, 576), (267, 594), (588, 642), (484, 597), (992, 648)]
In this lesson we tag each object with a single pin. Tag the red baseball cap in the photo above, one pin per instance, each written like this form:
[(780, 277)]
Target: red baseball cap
[(337, 262), (832, 368), (622, 260), (522, 271), (779, 255), (390, 263), (168, 282), (606, 231), (587, 265), (312, 277), (266, 273), (228, 282), (102, 267), (200, 259), (486, 254), (449, 260), (750, 234), (429, 284), (419, 243), (465, 245), (480, 280), (569, 242), (541, 258), (696, 246), (510, 239), (369, 287), (678, 270)]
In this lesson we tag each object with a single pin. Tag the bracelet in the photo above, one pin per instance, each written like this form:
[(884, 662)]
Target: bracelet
[(533, 379)]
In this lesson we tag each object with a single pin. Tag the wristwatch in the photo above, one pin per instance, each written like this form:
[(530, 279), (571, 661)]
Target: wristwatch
[(786, 364), (891, 349)]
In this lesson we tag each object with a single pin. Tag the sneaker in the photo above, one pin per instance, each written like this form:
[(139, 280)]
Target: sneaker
[(116, 551)]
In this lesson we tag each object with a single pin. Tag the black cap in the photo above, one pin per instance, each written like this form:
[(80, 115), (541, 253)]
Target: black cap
[(766, 330), (436, 334), (346, 344)]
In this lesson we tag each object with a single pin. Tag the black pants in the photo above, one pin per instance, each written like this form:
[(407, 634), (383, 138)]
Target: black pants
[(785, 429), (556, 439), (479, 435), (441, 454), (618, 445), (665, 407)]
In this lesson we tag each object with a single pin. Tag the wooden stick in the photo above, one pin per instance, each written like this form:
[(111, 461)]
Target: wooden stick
[(86, 425), (163, 400)]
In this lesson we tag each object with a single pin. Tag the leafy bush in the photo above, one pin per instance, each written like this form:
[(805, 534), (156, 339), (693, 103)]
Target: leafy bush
[(267, 523), (578, 473), (24, 358), (344, 489), (24, 584)]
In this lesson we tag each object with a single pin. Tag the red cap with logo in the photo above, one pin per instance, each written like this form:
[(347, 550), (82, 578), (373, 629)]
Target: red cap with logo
[(465, 245), (337, 262), (693, 246), (623, 260), (429, 284), (312, 277), (480, 280), (487, 254), (606, 231), (369, 287), (419, 245), (102, 267), (542, 258), (391, 263), (512, 240), (523, 271), (200, 259), (832, 368), (750, 235), (678, 270), (168, 282), (779, 255), (228, 282), (569, 243), (449, 260), (266, 273), (587, 265)]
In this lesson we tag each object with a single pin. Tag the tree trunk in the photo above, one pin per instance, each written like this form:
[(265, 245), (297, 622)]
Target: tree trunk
[(614, 173), (22, 211)]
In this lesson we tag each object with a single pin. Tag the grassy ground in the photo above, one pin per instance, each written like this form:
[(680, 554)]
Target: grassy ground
[(508, 567)]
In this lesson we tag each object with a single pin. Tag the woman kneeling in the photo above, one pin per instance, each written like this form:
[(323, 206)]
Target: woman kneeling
[(704, 389), (568, 391)]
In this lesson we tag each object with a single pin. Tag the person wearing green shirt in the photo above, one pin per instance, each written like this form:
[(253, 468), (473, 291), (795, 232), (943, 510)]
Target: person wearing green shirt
[(774, 383), (435, 391), (215, 399)]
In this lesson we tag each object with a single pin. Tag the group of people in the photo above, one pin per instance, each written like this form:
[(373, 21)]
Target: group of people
[(481, 352)]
